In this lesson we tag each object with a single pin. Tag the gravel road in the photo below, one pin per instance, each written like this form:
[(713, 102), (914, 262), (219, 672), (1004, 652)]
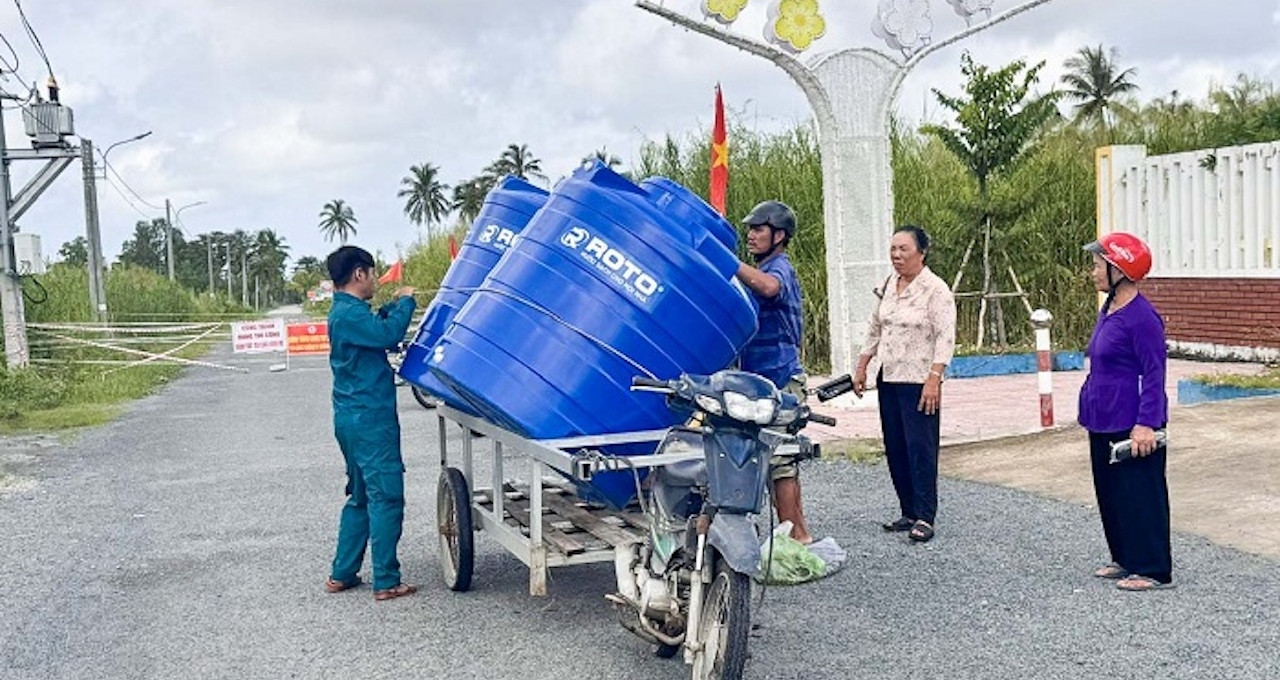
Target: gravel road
[(189, 539)]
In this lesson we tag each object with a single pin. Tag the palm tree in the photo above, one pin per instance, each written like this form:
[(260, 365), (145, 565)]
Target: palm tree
[(428, 199), (517, 160), (1094, 80), (337, 219), (602, 154), (468, 197), (267, 256)]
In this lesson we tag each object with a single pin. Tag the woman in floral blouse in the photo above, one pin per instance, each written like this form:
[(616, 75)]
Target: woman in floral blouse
[(913, 331)]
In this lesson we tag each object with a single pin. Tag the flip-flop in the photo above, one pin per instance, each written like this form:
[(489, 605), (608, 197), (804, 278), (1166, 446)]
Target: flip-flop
[(1111, 571), (393, 592), (921, 532), (1136, 583), (332, 586), (900, 524)]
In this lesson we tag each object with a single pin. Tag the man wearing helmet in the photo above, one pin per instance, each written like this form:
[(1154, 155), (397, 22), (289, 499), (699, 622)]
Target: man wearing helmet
[(774, 352), (1123, 398)]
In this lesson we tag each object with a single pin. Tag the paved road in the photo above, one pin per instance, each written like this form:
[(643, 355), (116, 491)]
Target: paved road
[(189, 539)]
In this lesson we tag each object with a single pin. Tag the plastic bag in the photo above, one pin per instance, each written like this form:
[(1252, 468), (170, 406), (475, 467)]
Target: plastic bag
[(788, 562)]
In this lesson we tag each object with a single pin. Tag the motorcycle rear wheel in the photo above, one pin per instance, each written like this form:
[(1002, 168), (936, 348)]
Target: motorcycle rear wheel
[(725, 625)]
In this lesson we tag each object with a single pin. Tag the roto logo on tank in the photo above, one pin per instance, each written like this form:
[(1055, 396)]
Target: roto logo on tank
[(622, 270), (499, 237)]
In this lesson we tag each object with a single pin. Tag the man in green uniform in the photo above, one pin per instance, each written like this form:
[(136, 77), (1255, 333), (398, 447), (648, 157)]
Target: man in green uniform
[(365, 423)]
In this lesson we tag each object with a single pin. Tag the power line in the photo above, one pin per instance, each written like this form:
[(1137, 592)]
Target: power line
[(14, 68), (35, 39), (113, 171), (127, 200)]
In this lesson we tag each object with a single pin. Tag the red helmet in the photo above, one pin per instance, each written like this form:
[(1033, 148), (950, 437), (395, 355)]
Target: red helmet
[(1126, 252)]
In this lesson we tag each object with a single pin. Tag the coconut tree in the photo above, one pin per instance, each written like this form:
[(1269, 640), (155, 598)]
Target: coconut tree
[(517, 160), (337, 220), (468, 197), (1096, 84), (427, 198)]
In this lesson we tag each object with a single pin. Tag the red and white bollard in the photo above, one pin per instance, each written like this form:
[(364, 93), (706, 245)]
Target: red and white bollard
[(1041, 320)]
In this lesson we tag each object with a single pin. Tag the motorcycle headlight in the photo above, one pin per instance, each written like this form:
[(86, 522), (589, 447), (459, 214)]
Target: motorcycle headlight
[(708, 404), (742, 407)]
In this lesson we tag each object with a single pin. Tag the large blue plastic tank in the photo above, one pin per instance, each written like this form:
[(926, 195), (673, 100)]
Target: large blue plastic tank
[(504, 214), (602, 285), (687, 208)]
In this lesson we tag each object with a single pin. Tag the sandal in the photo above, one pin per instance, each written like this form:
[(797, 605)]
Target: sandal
[(332, 586), (900, 524), (396, 591), (921, 532), (1138, 583), (1111, 571)]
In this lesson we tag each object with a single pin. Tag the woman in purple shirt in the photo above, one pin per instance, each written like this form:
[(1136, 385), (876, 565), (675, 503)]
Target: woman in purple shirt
[(1124, 398)]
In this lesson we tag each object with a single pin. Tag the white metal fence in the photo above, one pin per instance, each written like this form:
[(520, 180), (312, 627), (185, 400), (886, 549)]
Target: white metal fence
[(1214, 212)]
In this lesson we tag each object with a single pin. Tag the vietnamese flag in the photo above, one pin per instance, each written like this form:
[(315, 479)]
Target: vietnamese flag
[(394, 273), (719, 158), (453, 248)]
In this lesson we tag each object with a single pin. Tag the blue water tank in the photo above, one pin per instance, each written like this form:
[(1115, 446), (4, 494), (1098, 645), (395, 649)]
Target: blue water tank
[(687, 208), (504, 214), (602, 285)]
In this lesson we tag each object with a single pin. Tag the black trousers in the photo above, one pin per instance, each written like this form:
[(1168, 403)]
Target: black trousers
[(911, 447), (1133, 499)]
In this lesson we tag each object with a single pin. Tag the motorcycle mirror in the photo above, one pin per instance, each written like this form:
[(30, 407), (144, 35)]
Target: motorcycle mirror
[(834, 388)]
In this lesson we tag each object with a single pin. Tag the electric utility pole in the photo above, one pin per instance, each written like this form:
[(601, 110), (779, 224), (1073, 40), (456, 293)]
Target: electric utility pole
[(97, 289), (15, 322), (210, 237), (168, 238), (48, 124)]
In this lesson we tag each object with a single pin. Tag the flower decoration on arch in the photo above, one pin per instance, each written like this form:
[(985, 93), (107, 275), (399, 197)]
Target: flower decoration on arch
[(905, 24), (793, 25), (723, 11)]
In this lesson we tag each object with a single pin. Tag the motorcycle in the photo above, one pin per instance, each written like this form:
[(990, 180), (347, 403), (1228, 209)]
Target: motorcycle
[(687, 586)]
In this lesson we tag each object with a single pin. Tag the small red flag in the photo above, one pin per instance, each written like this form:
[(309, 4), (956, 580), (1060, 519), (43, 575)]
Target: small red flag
[(453, 248), (394, 273), (719, 158)]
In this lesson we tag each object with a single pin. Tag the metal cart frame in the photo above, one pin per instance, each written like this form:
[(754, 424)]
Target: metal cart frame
[(573, 456)]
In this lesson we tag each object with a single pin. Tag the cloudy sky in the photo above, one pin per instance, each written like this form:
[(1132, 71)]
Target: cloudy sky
[(266, 109)]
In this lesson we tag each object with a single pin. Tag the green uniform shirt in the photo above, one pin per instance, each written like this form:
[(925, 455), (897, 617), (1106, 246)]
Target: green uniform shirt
[(358, 344)]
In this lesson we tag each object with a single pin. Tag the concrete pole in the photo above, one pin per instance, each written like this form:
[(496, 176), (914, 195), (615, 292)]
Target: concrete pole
[(210, 266), (11, 305), (97, 287), (168, 238), (244, 278), (230, 271)]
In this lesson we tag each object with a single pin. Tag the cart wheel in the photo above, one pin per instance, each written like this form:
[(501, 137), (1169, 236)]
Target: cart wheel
[(453, 519), (422, 398)]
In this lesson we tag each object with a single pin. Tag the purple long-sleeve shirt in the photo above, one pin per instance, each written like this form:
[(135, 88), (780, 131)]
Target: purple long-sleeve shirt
[(1127, 357)]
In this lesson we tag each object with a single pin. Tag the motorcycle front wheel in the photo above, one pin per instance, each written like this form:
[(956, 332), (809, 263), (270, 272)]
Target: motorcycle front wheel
[(725, 625)]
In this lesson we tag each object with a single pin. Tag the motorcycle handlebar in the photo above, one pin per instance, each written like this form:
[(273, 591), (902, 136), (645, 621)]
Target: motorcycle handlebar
[(821, 419), (639, 381)]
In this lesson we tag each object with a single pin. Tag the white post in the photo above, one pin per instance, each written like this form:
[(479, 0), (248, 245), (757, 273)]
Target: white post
[(1041, 320)]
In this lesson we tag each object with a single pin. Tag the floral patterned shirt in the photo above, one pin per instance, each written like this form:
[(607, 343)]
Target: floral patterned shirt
[(912, 330)]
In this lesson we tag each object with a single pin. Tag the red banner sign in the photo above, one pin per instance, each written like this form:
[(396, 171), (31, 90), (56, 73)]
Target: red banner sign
[(308, 338)]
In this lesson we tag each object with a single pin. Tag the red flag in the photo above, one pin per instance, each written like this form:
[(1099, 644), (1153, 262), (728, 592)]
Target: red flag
[(453, 248), (394, 273), (719, 158)]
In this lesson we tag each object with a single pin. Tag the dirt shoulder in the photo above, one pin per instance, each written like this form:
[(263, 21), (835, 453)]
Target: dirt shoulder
[(1224, 470)]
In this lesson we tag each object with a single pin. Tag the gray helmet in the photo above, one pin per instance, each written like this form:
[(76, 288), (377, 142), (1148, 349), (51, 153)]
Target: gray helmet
[(776, 214)]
